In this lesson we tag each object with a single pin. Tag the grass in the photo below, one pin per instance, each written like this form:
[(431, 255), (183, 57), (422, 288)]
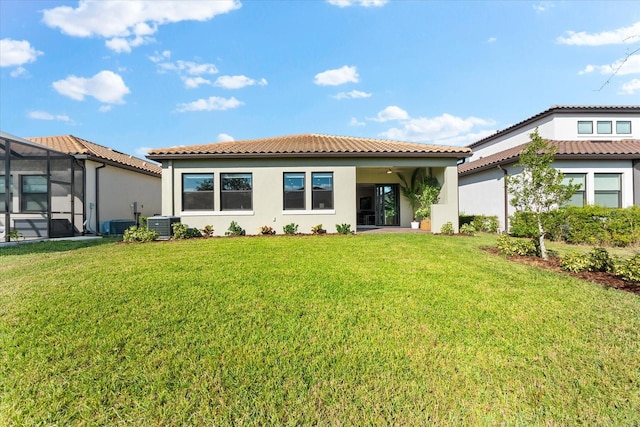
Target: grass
[(404, 329)]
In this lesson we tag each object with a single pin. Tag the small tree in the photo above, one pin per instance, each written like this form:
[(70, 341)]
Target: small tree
[(538, 188)]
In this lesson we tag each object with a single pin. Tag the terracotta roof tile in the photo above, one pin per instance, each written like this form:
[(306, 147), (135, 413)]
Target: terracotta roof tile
[(626, 149), (308, 144), (78, 147)]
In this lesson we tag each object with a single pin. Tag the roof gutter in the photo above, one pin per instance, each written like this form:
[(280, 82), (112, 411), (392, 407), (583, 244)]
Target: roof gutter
[(172, 156)]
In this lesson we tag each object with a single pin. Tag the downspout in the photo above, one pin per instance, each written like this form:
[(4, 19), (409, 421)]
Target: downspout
[(98, 197), (7, 189), (506, 200), (173, 201)]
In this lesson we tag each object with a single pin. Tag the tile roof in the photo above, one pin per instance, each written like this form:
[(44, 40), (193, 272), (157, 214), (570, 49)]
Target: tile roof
[(81, 147), (622, 149), (312, 145), (626, 109)]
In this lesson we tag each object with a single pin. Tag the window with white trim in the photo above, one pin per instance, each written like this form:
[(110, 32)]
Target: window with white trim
[(322, 190), (585, 127), (197, 192), (604, 127), (579, 198), (236, 191), (623, 127), (34, 195), (294, 190), (608, 189)]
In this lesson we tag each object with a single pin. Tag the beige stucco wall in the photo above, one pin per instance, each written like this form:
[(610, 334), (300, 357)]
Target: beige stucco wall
[(119, 188), (268, 191)]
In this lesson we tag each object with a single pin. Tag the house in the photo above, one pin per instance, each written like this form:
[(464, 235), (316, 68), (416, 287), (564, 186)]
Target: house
[(64, 185), (598, 147), (304, 179)]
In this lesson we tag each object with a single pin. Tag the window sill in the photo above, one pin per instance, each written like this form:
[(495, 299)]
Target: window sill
[(217, 213), (310, 212)]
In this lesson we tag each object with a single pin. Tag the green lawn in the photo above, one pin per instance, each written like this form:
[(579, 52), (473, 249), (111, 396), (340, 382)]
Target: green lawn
[(394, 329)]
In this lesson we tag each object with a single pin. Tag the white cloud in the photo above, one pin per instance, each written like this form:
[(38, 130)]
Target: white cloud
[(159, 57), (223, 137), (18, 72), (194, 82), (624, 66), (542, 6), (337, 76), (392, 112), (210, 104), (354, 94), (631, 87), (17, 52), (492, 40), (356, 122), (43, 115), (444, 129), (142, 151), (619, 36), (105, 108), (189, 67), (237, 82), (128, 24), (106, 86), (364, 3)]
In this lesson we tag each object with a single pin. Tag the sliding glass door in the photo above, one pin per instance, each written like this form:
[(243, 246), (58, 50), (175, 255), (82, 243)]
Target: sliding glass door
[(387, 204)]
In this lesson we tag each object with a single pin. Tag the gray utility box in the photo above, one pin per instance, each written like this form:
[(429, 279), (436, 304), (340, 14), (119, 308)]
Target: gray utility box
[(162, 225)]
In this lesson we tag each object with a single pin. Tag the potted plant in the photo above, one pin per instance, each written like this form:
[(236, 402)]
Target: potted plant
[(411, 188), (428, 196)]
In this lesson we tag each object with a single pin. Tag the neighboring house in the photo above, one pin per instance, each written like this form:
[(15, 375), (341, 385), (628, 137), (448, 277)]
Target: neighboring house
[(116, 186), (303, 179), (598, 147), (65, 186)]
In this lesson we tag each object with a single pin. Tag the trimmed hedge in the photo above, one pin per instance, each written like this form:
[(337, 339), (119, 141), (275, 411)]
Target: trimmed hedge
[(592, 225), (485, 223)]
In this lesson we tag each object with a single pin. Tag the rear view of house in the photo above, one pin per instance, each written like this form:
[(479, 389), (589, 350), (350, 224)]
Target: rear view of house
[(304, 179)]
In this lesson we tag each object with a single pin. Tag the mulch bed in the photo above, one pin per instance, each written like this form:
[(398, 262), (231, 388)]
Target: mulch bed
[(553, 264)]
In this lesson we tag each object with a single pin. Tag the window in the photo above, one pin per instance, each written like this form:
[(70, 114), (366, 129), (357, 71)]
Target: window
[(34, 197), (3, 193), (236, 191), (608, 190), (197, 192), (623, 127), (585, 127), (579, 197), (604, 127), (322, 194), (294, 190)]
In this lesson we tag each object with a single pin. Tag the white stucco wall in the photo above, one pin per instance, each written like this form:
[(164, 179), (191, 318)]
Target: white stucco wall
[(119, 188)]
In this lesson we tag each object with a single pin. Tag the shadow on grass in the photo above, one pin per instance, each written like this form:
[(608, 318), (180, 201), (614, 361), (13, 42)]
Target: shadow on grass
[(28, 248)]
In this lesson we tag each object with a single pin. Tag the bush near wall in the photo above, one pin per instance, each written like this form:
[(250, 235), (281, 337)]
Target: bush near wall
[(593, 225), (485, 223)]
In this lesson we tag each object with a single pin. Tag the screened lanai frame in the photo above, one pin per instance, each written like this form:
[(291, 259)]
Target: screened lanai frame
[(41, 191)]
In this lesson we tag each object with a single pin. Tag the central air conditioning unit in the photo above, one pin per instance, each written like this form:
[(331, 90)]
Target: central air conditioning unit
[(162, 225)]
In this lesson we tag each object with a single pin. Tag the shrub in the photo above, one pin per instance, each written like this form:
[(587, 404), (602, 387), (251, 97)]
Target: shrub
[(182, 231), (599, 260), (317, 229), (575, 263), (484, 223), (344, 228), (142, 220), (290, 228), (266, 230), (629, 269), (14, 235), (447, 228), (468, 229), (135, 234), (207, 231), (510, 246), (234, 230)]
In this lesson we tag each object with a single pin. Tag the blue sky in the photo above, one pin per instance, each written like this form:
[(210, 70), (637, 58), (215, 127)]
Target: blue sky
[(137, 75)]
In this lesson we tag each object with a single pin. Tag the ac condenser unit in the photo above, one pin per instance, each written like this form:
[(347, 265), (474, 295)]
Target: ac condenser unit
[(162, 225)]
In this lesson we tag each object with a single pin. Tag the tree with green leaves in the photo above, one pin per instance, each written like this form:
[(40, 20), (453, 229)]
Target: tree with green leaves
[(538, 189)]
